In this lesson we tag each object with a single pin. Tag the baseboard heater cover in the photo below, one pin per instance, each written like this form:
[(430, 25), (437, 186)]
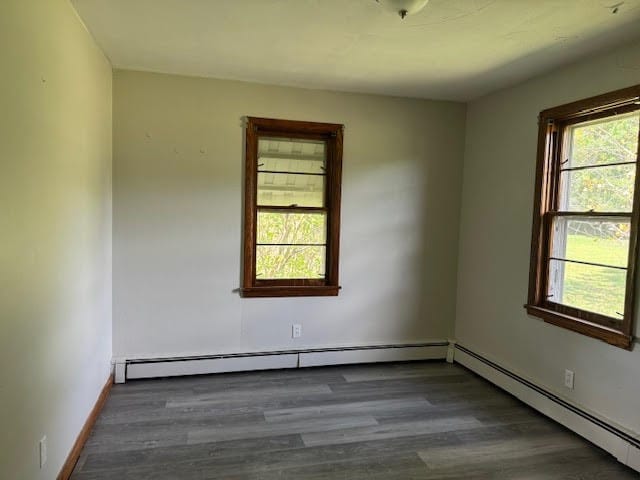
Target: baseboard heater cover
[(237, 362), (373, 355), (621, 444)]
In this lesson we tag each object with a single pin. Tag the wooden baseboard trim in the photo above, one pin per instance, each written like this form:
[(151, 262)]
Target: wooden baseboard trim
[(74, 454)]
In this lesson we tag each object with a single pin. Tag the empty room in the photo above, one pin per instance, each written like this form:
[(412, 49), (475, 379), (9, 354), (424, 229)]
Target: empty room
[(319, 239)]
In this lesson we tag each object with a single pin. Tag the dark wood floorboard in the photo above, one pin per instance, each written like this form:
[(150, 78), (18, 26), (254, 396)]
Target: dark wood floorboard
[(418, 420)]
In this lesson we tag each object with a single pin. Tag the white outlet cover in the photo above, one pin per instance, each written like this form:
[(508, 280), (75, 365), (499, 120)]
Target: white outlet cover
[(296, 330), (568, 378), (43, 451)]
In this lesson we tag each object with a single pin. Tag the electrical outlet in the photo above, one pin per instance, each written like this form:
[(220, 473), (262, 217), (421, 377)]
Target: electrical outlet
[(568, 379), (43, 451), (296, 330)]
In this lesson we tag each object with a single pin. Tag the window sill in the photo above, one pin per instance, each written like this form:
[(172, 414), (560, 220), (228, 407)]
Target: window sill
[(289, 291), (611, 336)]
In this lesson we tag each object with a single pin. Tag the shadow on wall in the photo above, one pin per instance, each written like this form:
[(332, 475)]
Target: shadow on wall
[(389, 259)]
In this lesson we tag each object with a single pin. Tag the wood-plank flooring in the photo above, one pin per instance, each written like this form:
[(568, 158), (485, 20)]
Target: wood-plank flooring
[(420, 420)]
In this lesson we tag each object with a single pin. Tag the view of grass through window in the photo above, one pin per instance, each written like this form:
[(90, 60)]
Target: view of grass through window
[(596, 289), (589, 253)]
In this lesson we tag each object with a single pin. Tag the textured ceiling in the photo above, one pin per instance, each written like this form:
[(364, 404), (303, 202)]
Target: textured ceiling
[(453, 49)]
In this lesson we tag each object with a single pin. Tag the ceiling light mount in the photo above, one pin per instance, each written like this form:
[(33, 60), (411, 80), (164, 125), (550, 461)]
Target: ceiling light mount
[(403, 7)]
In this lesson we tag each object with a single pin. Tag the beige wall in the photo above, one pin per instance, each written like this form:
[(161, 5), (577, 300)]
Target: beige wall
[(495, 240), (55, 224), (178, 165)]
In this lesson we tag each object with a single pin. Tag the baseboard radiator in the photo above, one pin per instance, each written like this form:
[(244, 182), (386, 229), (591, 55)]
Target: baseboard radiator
[(237, 362), (621, 444)]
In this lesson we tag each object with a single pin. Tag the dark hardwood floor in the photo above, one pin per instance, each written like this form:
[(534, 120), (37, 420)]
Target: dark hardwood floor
[(423, 420)]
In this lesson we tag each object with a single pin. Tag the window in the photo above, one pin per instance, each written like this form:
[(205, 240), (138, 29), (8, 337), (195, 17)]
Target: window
[(291, 208), (585, 225)]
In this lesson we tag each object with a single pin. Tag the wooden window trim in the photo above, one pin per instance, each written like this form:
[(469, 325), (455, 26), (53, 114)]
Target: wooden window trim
[(333, 134), (552, 123)]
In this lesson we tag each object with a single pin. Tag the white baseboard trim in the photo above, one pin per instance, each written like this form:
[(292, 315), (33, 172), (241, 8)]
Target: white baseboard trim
[(119, 371), (633, 459), (138, 368), (623, 445)]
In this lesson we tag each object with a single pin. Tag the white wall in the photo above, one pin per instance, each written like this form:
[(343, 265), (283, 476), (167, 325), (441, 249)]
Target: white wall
[(495, 235), (178, 162), (55, 232)]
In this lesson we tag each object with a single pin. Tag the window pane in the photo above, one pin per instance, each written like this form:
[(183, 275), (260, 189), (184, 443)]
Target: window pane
[(594, 240), (611, 140), (274, 262), (279, 227), (595, 289), (291, 155), (602, 189), (285, 189)]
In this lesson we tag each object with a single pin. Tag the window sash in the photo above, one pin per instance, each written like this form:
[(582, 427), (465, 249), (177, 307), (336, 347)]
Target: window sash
[(549, 217), (320, 281)]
